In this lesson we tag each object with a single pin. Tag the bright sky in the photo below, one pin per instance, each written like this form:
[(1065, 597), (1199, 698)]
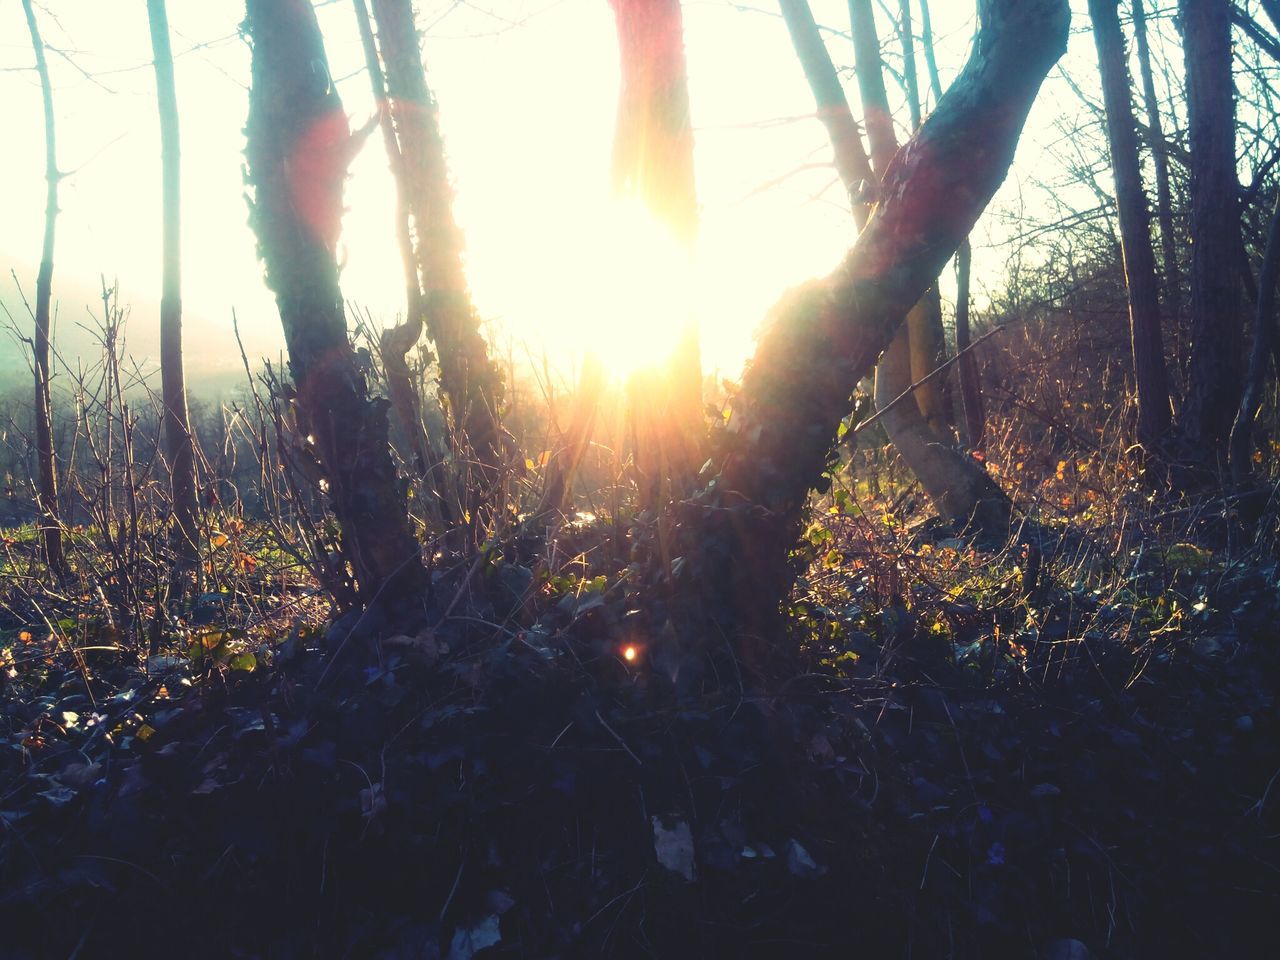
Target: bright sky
[(527, 103)]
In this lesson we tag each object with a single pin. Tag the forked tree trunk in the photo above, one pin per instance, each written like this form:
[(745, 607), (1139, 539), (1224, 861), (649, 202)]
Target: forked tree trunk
[(46, 459), (1135, 228), (469, 380), (1160, 161), (822, 337), (957, 485), (1214, 374), (396, 342), (297, 149), (179, 446), (653, 163)]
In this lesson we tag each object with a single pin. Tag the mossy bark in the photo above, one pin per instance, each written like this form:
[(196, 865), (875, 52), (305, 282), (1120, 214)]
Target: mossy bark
[(297, 149)]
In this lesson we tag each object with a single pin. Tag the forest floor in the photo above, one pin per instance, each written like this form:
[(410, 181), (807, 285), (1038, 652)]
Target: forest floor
[(1056, 749)]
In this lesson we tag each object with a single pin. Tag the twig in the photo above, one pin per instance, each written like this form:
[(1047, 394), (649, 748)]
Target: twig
[(622, 743)]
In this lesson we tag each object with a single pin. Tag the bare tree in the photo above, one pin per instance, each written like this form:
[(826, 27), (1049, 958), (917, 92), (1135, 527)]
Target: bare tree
[(653, 163), (958, 485), (298, 147), (1135, 228), (824, 336), (469, 380), (46, 461), (973, 421), (1214, 374), (177, 425), (397, 341), (1160, 161)]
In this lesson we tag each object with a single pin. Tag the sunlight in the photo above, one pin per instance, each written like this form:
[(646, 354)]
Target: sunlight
[(634, 285)]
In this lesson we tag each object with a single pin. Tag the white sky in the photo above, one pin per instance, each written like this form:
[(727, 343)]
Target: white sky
[(527, 102)]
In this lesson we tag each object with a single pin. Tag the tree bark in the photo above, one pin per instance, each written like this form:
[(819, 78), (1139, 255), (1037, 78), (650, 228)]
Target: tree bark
[(46, 458), (396, 342), (824, 336), (1159, 160), (469, 379), (1135, 228), (297, 149), (1214, 374), (179, 447)]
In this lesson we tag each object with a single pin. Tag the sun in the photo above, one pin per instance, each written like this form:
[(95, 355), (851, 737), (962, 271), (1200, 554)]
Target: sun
[(635, 283)]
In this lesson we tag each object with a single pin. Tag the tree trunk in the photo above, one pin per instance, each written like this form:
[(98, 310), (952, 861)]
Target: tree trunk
[(1264, 324), (824, 336), (297, 149), (653, 163), (469, 379), (179, 447), (396, 342), (1159, 160), (973, 420), (1214, 376), (1135, 228), (958, 487), (46, 459)]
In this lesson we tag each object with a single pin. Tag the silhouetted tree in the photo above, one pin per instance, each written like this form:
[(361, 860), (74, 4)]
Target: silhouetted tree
[(46, 460), (298, 147), (1214, 375), (173, 389), (1135, 227)]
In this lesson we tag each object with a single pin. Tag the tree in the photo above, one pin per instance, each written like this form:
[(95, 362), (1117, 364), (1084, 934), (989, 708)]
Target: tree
[(822, 337), (1214, 376), (46, 460), (469, 380), (1160, 161), (179, 447), (1135, 228), (958, 486), (653, 164), (298, 147), (397, 341)]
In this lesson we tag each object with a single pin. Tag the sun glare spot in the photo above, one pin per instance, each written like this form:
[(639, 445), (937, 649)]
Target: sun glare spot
[(637, 284)]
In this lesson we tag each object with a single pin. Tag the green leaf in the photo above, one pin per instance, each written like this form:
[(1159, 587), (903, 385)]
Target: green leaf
[(243, 661)]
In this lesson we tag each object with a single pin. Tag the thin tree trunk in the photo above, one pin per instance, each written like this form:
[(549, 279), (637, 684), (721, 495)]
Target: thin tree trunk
[(924, 322), (469, 379), (396, 342), (851, 161), (177, 425), (298, 147), (973, 421), (1214, 375), (824, 336), (46, 459), (1264, 332), (1159, 160), (1135, 228)]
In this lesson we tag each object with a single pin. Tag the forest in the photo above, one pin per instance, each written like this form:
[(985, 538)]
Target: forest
[(870, 548)]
